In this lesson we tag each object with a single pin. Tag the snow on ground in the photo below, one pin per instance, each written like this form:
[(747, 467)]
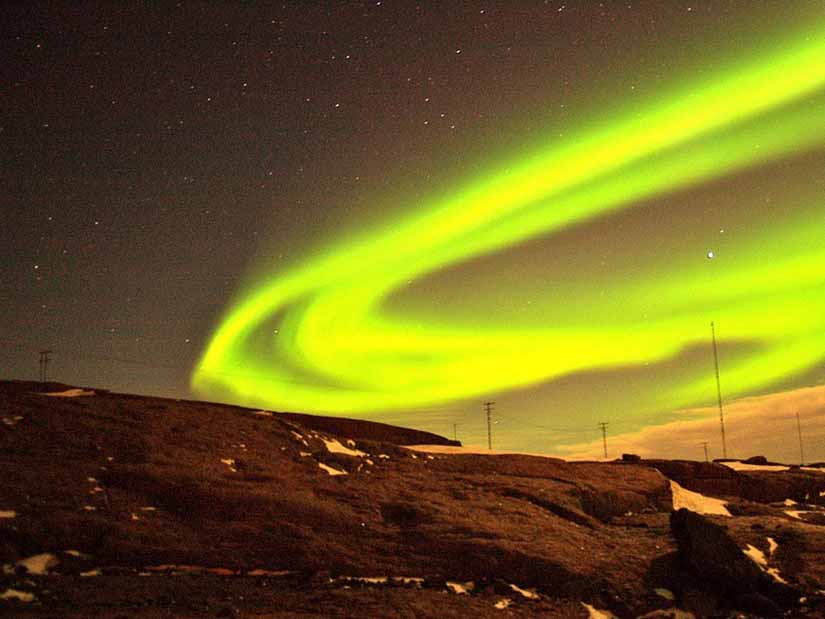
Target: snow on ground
[(461, 588), (331, 470), (664, 593), (789, 503), (8, 513), (772, 546), (595, 613), (260, 572), (230, 462), (741, 466), (335, 447), (472, 449), (39, 564), (668, 613), (813, 469), (91, 573), (795, 513), (372, 580), (758, 557), (696, 502), (382, 580), (503, 603), (528, 593), (14, 594), (70, 393)]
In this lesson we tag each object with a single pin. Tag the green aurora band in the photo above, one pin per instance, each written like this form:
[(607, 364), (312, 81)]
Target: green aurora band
[(338, 349)]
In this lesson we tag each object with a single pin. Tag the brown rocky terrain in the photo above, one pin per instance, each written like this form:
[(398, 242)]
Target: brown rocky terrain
[(126, 506)]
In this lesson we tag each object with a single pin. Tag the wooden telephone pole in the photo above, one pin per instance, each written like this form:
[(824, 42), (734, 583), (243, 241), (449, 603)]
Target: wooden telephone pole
[(603, 426), (488, 408)]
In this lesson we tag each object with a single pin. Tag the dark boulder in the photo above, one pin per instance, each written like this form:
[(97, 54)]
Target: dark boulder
[(710, 553), (631, 458), (762, 460)]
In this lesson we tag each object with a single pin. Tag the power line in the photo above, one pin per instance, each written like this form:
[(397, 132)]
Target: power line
[(719, 391), (705, 445)]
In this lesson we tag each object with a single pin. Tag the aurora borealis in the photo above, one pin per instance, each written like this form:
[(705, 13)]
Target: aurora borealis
[(345, 344), (399, 211)]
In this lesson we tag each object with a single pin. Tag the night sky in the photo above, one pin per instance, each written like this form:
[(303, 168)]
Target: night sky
[(401, 211)]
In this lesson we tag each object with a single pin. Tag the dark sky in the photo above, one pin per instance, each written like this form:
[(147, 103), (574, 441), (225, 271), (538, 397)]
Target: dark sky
[(158, 161)]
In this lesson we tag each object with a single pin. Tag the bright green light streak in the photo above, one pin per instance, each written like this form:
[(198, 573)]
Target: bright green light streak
[(337, 352)]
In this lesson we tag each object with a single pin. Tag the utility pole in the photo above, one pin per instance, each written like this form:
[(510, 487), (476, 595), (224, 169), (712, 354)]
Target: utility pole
[(44, 364), (488, 407), (719, 391), (603, 426), (799, 431), (705, 445), (455, 435)]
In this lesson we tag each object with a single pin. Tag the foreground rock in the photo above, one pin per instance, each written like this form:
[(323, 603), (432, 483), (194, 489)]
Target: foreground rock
[(144, 507)]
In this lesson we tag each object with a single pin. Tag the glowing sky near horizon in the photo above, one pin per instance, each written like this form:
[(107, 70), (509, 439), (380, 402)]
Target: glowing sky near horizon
[(399, 317)]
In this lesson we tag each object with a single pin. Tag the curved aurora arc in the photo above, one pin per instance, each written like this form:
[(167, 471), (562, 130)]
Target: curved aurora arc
[(338, 350)]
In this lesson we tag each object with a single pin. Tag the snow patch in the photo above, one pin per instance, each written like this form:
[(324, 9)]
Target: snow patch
[(530, 594), (260, 572), (230, 462), (756, 555), (335, 447), (503, 603), (595, 613), (696, 502), (772, 546), (461, 588), (664, 593), (789, 503), (330, 470), (372, 580), (91, 573), (668, 613), (8, 513), (70, 393), (39, 565), (795, 513), (741, 466), (14, 594)]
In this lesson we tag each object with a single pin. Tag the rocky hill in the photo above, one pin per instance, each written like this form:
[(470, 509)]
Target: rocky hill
[(126, 506)]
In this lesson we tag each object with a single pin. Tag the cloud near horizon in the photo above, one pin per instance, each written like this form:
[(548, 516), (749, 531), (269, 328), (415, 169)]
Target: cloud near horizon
[(760, 425)]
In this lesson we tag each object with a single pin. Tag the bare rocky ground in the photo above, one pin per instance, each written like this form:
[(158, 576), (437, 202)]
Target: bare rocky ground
[(115, 506)]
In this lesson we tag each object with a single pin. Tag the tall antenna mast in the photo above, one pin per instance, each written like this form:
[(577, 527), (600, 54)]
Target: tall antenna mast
[(719, 391), (799, 431)]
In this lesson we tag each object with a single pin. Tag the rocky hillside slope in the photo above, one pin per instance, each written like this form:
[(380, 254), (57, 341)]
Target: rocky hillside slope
[(126, 506)]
